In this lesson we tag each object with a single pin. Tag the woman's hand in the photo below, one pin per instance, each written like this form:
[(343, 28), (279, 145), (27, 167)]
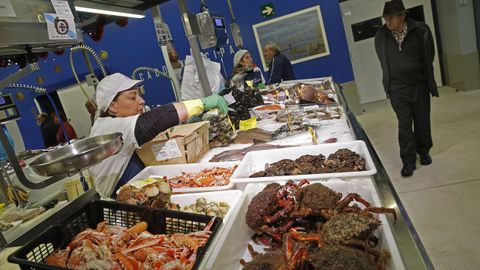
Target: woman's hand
[(197, 106), (215, 102)]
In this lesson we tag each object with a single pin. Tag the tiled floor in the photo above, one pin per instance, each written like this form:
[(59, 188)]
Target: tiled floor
[(441, 199)]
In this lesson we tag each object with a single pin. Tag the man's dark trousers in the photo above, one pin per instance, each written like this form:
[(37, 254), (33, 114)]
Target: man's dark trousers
[(412, 104)]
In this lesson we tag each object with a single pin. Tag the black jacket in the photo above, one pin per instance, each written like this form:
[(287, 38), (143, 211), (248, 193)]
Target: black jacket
[(280, 69), (422, 32)]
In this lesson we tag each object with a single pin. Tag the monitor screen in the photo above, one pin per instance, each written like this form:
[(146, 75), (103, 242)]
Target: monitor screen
[(219, 22)]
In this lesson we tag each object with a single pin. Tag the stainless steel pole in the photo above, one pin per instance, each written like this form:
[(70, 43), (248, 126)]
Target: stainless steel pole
[(157, 18), (193, 42)]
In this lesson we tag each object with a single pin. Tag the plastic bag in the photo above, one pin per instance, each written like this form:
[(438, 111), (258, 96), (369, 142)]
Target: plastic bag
[(191, 87)]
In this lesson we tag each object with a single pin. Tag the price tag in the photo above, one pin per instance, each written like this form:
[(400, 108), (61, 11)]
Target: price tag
[(149, 181), (249, 83), (168, 150), (143, 182), (313, 133), (287, 93), (248, 124)]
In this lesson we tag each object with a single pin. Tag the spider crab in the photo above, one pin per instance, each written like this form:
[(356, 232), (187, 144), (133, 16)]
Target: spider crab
[(269, 211), (319, 200)]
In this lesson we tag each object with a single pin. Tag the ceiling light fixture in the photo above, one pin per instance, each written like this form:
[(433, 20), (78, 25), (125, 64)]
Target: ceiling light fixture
[(86, 6)]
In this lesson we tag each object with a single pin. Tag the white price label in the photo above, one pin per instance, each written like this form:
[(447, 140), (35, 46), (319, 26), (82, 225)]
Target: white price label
[(168, 150)]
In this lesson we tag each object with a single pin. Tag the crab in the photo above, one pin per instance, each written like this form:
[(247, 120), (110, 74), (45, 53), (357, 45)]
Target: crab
[(338, 257), (352, 228), (319, 200), (345, 160), (269, 210), (292, 255)]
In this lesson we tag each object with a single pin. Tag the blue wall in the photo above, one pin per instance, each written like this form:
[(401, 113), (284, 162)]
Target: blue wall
[(136, 45)]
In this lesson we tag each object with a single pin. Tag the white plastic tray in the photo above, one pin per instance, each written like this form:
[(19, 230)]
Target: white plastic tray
[(255, 161), (232, 242), (178, 169), (231, 197)]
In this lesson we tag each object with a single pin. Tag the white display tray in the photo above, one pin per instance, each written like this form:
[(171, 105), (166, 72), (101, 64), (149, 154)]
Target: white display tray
[(178, 169), (255, 161), (231, 197), (232, 242)]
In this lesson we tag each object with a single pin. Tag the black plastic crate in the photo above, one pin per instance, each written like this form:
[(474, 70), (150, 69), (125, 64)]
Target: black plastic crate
[(33, 254)]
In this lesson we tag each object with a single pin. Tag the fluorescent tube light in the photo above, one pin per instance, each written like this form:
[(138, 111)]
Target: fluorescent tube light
[(84, 6)]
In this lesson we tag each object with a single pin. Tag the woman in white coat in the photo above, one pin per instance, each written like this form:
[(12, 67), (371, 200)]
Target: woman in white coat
[(120, 107)]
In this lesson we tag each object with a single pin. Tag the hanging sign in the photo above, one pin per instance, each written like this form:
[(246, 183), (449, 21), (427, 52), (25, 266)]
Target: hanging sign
[(60, 28)]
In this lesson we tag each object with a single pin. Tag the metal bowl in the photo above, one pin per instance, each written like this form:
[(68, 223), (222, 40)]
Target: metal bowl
[(77, 156)]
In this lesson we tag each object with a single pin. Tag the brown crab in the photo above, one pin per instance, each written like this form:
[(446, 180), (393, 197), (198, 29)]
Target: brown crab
[(345, 160), (352, 229), (269, 210), (338, 257), (319, 200), (292, 255)]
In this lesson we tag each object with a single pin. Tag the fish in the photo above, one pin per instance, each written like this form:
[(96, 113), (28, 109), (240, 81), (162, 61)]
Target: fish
[(238, 154)]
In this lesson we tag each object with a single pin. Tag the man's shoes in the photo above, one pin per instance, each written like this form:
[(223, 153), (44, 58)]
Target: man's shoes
[(407, 170), (425, 159)]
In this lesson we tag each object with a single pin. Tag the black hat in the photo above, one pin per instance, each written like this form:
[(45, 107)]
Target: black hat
[(393, 7)]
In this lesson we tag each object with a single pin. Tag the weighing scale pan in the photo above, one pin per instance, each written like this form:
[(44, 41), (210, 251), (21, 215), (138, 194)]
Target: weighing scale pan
[(77, 156)]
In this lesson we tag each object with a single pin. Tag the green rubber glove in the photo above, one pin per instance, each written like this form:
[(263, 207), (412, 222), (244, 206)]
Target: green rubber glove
[(215, 102)]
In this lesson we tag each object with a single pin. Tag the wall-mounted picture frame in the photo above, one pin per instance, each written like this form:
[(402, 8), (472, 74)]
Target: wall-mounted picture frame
[(300, 35)]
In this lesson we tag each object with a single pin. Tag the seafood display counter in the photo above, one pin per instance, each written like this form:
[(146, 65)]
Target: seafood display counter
[(265, 201)]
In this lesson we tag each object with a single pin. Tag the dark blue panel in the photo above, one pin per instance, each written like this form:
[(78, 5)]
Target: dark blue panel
[(136, 45)]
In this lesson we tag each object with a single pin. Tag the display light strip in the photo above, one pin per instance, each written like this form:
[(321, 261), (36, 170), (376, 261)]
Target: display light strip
[(108, 10)]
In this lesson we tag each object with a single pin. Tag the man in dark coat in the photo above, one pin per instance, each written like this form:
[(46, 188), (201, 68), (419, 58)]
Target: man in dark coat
[(279, 67), (406, 50)]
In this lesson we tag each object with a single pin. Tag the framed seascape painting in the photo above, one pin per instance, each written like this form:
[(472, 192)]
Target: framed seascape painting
[(300, 35)]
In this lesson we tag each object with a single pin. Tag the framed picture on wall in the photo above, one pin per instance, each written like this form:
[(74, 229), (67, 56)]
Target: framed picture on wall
[(300, 35)]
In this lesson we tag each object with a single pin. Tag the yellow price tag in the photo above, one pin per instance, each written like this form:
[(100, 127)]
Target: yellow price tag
[(231, 124), (149, 181), (314, 135), (248, 124), (289, 119), (249, 83)]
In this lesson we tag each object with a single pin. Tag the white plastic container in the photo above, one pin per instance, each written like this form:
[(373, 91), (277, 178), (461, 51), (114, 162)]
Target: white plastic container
[(232, 197), (178, 169), (255, 161), (232, 243)]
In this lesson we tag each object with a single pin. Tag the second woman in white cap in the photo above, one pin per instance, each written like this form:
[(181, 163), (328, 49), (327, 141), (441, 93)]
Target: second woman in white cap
[(244, 68)]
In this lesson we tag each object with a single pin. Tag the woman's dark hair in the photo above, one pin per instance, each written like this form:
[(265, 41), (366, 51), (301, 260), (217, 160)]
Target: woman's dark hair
[(106, 113), (238, 69)]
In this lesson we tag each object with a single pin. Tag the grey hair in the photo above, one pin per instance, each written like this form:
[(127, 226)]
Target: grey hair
[(273, 45)]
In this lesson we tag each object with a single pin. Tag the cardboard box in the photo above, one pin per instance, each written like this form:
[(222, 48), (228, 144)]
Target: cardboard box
[(182, 144)]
